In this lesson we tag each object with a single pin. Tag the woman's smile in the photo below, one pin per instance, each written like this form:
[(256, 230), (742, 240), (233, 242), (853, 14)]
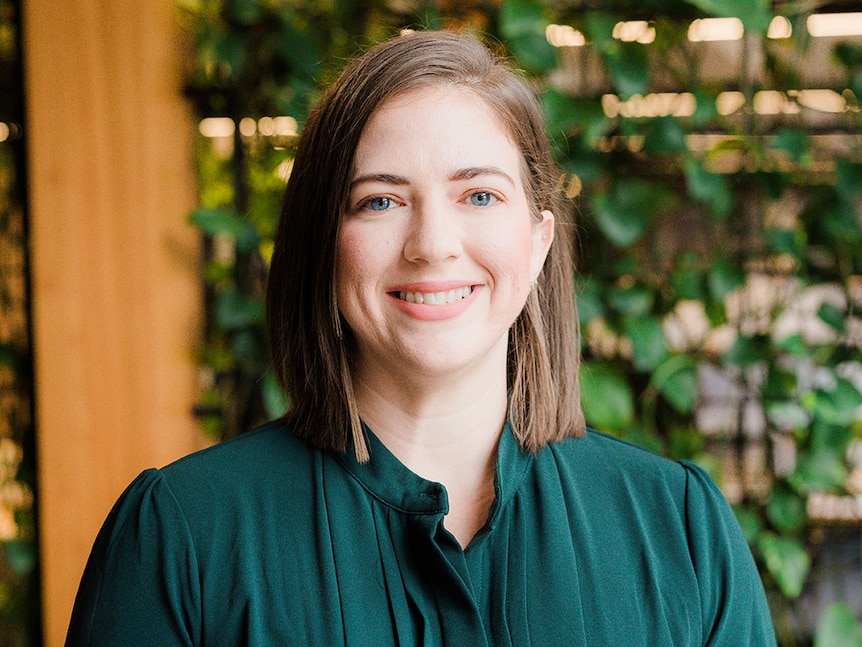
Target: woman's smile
[(435, 298), (434, 302)]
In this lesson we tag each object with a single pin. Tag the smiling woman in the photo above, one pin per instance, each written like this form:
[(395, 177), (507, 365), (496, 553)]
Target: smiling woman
[(509, 153), (433, 483)]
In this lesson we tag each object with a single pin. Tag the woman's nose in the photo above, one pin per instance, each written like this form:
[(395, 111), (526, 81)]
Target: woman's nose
[(434, 234)]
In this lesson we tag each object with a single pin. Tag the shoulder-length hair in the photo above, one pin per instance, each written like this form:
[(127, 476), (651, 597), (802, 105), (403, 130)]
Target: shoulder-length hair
[(311, 355)]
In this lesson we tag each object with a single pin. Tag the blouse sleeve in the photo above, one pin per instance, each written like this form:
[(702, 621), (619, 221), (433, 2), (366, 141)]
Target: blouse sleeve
[(733, 603), (141, 585)]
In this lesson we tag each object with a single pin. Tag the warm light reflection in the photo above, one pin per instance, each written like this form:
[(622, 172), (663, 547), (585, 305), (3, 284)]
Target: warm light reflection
[(713, 29), (247, 127), (216, 127), (835, 24), (729, 102), (780, 27), (822, 100), (659, 104), (564, 36), (278, 126), (773, 102), (634, 31), (4, 132)]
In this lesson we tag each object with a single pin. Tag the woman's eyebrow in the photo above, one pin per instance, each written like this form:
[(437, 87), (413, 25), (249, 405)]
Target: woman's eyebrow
[(476, 171), (459, 175), (383, 178)]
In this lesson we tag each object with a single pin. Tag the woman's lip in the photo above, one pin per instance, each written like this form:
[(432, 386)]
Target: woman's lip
[(436, 312), (430, 286)]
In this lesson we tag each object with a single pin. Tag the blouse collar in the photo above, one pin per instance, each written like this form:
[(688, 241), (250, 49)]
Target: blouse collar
[(391, 482)]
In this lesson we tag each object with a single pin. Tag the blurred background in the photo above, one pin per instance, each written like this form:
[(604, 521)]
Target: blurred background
[(712, 152)]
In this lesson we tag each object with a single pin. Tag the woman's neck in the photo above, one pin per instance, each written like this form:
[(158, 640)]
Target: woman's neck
[(444, 432)]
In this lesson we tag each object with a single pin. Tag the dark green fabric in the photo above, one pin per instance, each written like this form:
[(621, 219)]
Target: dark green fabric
[(263, 541)]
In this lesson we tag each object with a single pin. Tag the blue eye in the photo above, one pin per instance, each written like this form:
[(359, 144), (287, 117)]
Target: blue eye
[(482, 198), (378, 204)]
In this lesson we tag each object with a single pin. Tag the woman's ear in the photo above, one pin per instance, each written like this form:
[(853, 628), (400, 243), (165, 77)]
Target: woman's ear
[(542, 237)]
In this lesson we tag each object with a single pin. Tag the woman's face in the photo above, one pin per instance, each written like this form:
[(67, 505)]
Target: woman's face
[(437, 247)]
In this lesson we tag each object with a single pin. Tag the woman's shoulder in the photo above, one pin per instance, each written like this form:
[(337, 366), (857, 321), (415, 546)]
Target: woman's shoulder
[(270, 448), (266, 462), (603, 450), (614, 466)]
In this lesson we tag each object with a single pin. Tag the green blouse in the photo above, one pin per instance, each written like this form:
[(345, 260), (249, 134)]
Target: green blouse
[(264, 541)]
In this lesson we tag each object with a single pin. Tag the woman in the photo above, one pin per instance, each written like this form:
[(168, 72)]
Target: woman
[(432, 484)]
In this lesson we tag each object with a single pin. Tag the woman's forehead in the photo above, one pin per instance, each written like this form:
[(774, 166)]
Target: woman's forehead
[(436, 123)]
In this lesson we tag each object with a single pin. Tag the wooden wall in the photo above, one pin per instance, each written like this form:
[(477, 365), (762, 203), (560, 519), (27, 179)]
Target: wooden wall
[(115, 266)]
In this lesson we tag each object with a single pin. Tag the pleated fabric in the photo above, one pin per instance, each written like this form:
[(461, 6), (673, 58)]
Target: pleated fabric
[(264, 541)]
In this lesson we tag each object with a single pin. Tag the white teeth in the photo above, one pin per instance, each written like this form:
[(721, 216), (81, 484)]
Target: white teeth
[(436, 298)]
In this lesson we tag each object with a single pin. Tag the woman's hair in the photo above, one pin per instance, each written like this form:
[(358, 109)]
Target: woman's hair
[(309, 339)]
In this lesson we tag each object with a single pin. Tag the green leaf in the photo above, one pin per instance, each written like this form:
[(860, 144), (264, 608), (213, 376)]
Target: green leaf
[(301, 47), (235, 311), (786, 241), (781, 383), (793, 345), (819, 471), (786, 511), (724, 277), (855, 83), (247, 350), (600, 29), (648, 344), (665, 135), (20, 556), (848, 54), (522, 23), (755, 14), (624, 212), (245, 12), (787, 561), (676, 380), (569, 115), (795, 142), (686, 443), (839, 405), (710, 188), (589, 302), (635, 301), (747, 350), (834, 316), (774, 184), (628, 68), (849, 180), (688, 279), (223, 222), (606, 396), (275, 400), (838, 627), (705, 110), (641, 437), (587, 164), (749, 522), (229, 49)]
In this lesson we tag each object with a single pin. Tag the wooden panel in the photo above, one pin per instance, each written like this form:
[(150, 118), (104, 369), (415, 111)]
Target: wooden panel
[(115, 266)]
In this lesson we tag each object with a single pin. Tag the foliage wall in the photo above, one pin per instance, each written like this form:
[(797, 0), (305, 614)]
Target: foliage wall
[(717, 190), (19, 595)]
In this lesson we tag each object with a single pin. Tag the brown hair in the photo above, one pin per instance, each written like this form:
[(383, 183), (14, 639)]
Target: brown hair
[(310, 353)]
